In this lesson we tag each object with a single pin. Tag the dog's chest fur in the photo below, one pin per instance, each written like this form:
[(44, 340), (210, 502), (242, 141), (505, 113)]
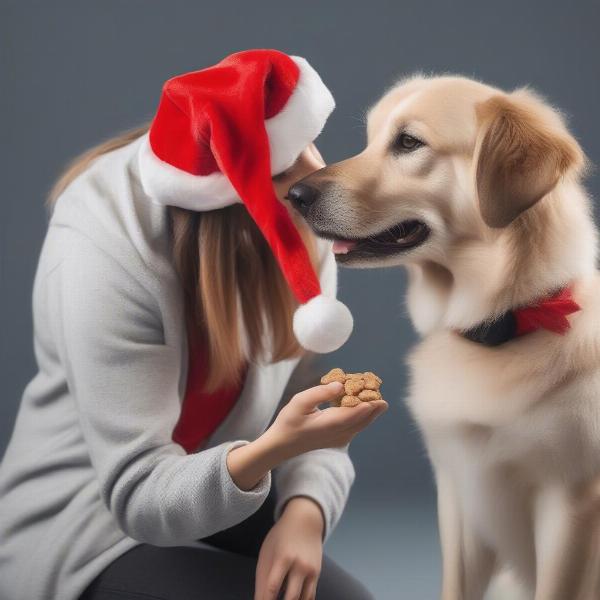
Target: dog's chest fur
[(504, 425)]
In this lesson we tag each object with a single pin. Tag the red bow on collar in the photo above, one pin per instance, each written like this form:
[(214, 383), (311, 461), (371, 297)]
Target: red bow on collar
[(549, 313)]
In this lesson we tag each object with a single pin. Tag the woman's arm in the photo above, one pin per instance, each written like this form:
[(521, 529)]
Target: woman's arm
[(124, 380), (300, 427)]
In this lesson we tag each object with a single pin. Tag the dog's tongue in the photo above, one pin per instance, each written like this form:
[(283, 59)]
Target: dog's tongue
[(342, 246)]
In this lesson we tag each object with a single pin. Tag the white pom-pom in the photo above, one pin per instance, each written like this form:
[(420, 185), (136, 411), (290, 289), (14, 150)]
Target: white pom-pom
[(323, 324)]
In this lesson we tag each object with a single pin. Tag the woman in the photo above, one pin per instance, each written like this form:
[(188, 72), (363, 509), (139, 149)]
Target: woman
[(142, 456)]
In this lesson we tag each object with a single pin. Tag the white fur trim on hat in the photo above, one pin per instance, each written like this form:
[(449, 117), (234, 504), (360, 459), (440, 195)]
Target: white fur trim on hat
[(301, 120), (290, 131), (323, 324), (167, 185)]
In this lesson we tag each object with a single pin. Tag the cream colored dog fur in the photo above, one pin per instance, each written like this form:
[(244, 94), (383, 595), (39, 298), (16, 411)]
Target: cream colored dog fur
[(493, 216)]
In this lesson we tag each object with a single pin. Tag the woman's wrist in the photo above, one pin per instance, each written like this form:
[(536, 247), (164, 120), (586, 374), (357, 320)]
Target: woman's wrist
[(249, 463), (306, 511)]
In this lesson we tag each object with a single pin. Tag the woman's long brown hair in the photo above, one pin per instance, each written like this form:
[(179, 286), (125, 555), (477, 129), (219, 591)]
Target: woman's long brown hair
[(227, 271)]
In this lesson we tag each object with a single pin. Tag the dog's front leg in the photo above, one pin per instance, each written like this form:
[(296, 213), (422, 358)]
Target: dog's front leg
[(467, 562), (567, 540)]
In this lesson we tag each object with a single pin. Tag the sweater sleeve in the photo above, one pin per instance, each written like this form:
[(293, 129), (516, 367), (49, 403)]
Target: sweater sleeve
[(324, 475), (124, 381)]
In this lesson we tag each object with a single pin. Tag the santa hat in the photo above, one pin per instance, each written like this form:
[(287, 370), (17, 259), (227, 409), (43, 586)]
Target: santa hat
[(218, 137)]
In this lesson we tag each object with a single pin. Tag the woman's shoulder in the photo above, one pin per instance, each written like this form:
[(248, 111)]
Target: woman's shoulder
[(107, 196), (106, 205)]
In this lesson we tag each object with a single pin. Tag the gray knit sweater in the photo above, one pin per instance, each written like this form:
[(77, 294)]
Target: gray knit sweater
[(91, 469)]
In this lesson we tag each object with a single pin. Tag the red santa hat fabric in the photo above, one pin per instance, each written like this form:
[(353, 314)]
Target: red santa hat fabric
[(218, 137)]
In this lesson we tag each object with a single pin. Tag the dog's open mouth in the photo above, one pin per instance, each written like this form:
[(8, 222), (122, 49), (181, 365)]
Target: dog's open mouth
[(400, 238)]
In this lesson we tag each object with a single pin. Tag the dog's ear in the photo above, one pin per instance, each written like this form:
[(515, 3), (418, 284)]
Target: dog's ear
[(522, 150)]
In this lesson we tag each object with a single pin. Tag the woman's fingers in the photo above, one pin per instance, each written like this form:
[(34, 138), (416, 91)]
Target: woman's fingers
[(261, 576), (294, 584), (270, 575), (345, 417), (377, 408), (309, 591), (380, 406), (309, 399), (275, 579), (303, 427), (354, 419)]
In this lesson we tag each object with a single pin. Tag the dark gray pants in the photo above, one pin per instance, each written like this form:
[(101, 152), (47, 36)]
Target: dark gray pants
[(179, 573)]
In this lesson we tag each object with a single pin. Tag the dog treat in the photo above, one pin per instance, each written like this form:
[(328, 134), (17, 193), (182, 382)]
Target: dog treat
[(358, 387), (354, 386), (368, 395), (334, 375), (350, 401)]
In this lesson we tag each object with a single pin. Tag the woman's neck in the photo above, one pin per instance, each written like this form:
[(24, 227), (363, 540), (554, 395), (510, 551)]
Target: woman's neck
[(551, 245)]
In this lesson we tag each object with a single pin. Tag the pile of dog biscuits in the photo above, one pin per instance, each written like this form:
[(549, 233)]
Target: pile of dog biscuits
[(358, 387)]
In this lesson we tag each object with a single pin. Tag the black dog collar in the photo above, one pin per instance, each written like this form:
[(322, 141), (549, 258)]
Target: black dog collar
[(548, 313), (493, 333)]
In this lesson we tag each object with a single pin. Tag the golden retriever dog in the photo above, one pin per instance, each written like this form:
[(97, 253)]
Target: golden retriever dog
[(477, 192)]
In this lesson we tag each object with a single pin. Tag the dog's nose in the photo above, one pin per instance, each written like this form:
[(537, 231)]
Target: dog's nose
[(302, 196)]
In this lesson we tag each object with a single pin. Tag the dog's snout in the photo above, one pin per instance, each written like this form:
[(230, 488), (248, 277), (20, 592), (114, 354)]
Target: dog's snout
[(302, 196)]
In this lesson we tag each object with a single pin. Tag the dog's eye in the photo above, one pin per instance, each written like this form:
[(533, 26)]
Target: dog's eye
[(406, 143)]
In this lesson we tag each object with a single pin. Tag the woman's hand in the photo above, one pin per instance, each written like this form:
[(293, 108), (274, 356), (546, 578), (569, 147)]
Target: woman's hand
[(291, 553), (299, 427)]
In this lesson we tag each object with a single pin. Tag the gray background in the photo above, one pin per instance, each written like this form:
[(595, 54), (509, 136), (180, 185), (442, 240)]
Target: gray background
[(74, 73)]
